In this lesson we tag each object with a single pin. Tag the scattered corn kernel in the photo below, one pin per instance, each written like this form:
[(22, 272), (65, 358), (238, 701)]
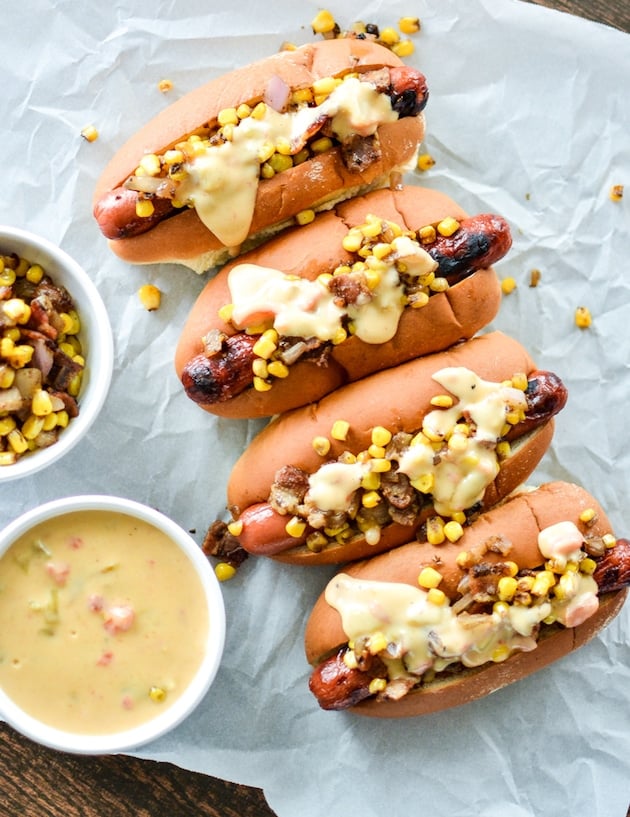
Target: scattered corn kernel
[(403, 48), (534, 277), (261, 385), (350, 659), (453, 530), (435, 530), (340, 430), (224, 571), (377, 685), (370, 499), (588, 566), (295, 527), (436, 596), (150, 297), (305, 217), (500, 653), (323, 22), (381, 436), (508, 285), (409, 25), (616, 192), (609, 540), (377, 643), (442, 401), (235, 527), (165, 85), (583, 317), (89, 133), (507, 588), (321, 445), (144, 208), (278, 369), (429, 577), (587, 515)]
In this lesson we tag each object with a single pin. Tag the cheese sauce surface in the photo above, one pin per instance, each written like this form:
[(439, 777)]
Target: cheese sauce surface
[(308, 309), (223, 180), (103, 622)]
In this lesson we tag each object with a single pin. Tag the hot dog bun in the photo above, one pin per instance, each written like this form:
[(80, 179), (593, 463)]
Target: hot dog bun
[(316, 184), (397, 399), (518, 521), (455, 314)]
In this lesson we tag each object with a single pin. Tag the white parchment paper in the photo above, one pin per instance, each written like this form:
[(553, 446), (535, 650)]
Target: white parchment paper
[(528, 117)]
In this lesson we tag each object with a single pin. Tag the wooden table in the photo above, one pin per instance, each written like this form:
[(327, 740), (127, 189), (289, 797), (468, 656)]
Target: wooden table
[(37, 782)]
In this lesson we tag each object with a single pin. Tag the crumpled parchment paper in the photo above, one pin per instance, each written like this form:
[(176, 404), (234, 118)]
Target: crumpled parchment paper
[(528, 117)]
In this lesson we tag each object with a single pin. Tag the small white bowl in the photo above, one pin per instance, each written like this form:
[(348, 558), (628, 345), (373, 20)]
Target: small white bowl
[(189, 698), (96, 340)]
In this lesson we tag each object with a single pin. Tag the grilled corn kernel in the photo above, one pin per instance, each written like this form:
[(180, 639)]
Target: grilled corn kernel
[(165, 85), (16, 310), (316, 542), (144, 208), (278, 369), (267, 344), (583, 317), (17, 441), (427, 235), (448, 226), (435, 530), (409, 25), (89, 133), (63, 418), (323, 22), (224, 571), (506, 588), (7, 424), (587, 515), (261, 385), (150, 297), (370, 499), (305, 217), (543, 582), (321, 445), (295, 527), (41, 403), (377, 685), (20, 356), (235, 527), (588, 566), (508, 285), (534, 277), (429, 577), (7, 458), (259, 368), (340, 430), (453, 530), (436, 596), (616, 192)]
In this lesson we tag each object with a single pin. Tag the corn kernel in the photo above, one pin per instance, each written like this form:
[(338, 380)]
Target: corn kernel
[(295, 527), (377, 685), (371, 481), (165, 85), (442, 401), (588, 515), (350, 659), (500, 653), (89, 133), (305, 217), (543, 582), (377, 643), (17, 441), (429, 577), (323, 22), (403, 48), (278, 369), (261, 385), (259, 368), (352, 241), (280, 162), (63, 418), (380, 465), (453, 530), (448, 226), (508, 285), (224, 571), (7, 424), (227, 116), (588, 566), (339, 336), (512, 568), (150, 297), (16, 310), (302, 96), (534, 277), (266, 345), (409, 25), (20, 356), (340, 430), (370, 499), (7, 458), (616, 192), (325, 86), (424, 483), (226, 312), (376, 451), (41, 403), (381, 436), (321, 445), (144, 208), (609, 540), (427, 235), (316, 542), (506, 587), (583, 317), (435, 530), (259, 111), (436, 596), (235, 527)]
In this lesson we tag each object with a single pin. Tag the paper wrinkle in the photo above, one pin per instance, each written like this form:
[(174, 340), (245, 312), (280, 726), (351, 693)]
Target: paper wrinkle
[(527, 117)]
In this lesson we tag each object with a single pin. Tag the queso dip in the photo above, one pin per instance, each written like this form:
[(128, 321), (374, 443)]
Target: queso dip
[(103, 622)]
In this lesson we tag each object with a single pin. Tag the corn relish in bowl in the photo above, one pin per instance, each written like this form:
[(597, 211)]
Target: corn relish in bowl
[(56, 353), (112, 624)]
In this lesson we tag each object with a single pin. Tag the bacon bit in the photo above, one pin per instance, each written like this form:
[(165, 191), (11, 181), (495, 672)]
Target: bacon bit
[(59, 572), (119, 619), (76, 543), (127, 702), (106, 659)]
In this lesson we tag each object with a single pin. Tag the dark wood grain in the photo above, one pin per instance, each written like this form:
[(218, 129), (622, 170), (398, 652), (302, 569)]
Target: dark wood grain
[(38, 782)]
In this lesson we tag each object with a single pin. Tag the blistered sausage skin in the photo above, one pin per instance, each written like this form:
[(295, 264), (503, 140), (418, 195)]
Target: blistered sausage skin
[(479, 242)]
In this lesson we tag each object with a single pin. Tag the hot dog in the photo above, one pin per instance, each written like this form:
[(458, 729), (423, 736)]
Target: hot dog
[(395, 455), (241, 156), (436, 627), (383, 278)]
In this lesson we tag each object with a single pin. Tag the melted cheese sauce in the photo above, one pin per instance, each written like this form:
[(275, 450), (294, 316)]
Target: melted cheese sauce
[(307, 309), (432, 636), (223, 181), (97, 610)]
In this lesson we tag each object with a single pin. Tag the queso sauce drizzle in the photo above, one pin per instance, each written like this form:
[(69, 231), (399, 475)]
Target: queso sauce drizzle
[(103, 622)]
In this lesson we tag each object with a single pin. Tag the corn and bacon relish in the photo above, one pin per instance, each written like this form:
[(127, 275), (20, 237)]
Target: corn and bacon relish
[(41, 358)]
